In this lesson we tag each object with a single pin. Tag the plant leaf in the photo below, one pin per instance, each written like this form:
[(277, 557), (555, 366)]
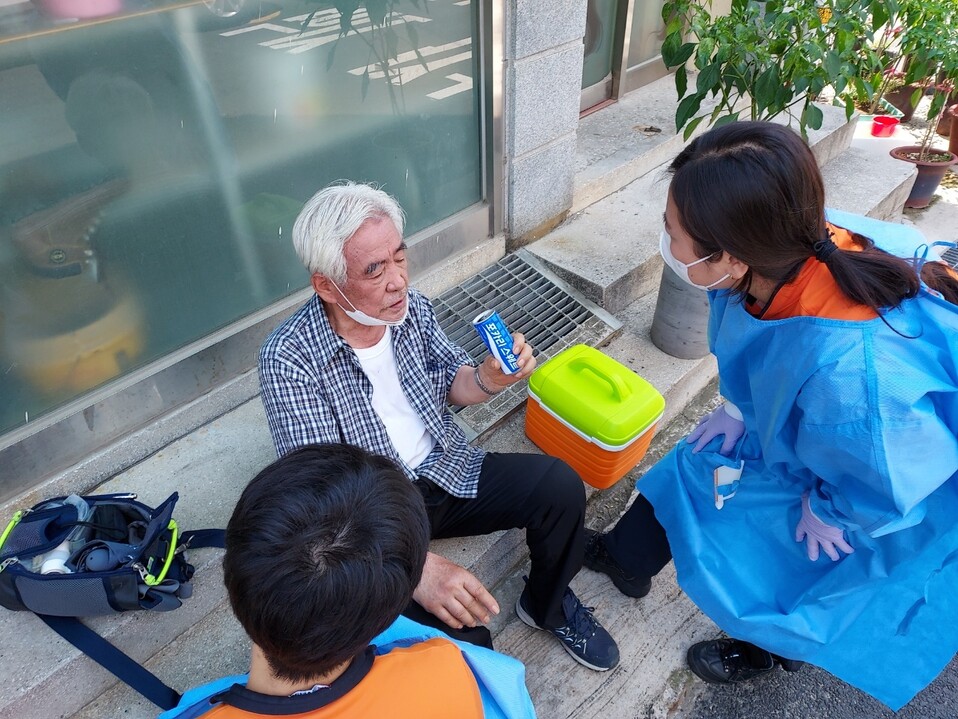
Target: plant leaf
[(726, 119), (880, 13), (686, 109), (812, 116), (674, 51), (305, 25), (346, 9), (916, 97), (681, 81), (708, 78), (377, 9), (833, 64), (670, 48), (690, 128), (767, 87), (685, 52)]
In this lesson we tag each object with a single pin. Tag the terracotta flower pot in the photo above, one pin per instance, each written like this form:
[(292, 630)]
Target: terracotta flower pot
[(929, 173), (901, 98), (944, 123), (953, 139)]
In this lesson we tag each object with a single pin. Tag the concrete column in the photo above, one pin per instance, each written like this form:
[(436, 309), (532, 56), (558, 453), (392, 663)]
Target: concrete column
[(541, 113)]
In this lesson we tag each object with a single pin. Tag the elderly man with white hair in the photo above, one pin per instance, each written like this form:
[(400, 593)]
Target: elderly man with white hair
[(365, 362)]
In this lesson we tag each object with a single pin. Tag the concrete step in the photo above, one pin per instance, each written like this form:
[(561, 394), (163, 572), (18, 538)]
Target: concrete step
[(629, 139), (866, 180), (625, 141), (609, 251)]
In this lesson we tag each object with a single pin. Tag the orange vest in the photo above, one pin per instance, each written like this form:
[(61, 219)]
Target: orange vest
[(813, 293), (429, 680)]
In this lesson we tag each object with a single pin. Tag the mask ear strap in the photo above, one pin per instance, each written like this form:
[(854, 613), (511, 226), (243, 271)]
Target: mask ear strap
[(720, 279), (701, 260), (343, 295)]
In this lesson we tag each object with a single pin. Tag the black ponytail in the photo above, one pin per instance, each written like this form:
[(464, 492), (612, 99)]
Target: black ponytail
[(873, 277), (939, 277)]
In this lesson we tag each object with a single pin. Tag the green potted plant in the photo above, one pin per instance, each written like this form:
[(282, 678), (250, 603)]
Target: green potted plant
[(932, 46), (879, 83), (775, 57)]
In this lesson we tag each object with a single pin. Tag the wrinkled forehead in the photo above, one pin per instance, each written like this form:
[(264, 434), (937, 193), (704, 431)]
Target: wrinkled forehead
[(375, 242)]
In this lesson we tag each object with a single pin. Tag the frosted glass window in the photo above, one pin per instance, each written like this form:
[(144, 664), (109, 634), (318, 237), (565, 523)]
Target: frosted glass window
[(648, 31), (153, 157)]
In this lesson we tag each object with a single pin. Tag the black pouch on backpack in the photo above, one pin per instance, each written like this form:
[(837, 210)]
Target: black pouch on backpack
[(121, 556), (71, 557)]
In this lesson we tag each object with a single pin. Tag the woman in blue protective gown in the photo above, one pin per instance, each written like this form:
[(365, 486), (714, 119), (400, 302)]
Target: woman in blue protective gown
[(813, 515)]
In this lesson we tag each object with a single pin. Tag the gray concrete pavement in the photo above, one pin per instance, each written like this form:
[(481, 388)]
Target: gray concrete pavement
[(812, 693)]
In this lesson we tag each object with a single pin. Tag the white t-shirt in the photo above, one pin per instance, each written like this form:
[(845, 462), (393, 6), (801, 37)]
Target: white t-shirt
[(406, 430)]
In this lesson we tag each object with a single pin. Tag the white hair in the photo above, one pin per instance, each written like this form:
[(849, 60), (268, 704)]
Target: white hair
[(333, 215)]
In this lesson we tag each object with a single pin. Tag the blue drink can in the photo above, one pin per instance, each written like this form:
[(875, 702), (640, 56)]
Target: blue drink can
[(495, 334)]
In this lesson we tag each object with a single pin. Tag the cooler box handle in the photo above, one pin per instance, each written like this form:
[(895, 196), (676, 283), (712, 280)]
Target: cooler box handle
[(620, 390)]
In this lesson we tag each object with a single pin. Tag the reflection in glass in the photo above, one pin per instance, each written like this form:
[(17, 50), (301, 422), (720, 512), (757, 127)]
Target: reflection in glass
[(648, 32), (599, 38), (152, 161)]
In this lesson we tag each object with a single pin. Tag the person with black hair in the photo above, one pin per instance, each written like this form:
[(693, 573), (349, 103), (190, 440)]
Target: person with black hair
[(323, 551), (837, 349)]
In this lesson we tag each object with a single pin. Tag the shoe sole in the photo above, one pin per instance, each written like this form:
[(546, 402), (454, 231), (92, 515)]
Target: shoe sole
[(528, 621)]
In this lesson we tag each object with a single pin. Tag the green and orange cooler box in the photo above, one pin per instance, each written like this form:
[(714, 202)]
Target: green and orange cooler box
[(593, 412)]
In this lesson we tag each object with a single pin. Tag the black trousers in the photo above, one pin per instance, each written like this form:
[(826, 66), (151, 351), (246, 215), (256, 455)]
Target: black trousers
[(637, 542), (535, 492)]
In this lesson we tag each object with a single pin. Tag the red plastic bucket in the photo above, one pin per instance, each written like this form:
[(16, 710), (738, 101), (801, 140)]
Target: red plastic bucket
[(884, 125)]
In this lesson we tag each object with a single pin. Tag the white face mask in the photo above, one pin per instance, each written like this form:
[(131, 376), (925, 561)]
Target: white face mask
[(364, 319), (679, 267)]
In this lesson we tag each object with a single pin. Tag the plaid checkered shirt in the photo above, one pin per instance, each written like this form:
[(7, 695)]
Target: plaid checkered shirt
[(314, 390)]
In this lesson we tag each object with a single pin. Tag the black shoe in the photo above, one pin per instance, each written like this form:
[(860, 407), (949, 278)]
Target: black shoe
[(598, 559), (582, 636), (789, 665), (722, 661)]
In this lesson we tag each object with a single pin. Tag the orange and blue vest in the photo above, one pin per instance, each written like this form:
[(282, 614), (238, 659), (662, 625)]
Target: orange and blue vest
[(422, 681)]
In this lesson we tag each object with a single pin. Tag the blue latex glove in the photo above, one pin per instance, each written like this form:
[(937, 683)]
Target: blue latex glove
[(819, 536), (727, 421)]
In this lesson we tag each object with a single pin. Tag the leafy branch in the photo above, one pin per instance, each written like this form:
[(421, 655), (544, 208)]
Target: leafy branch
[(776, 56)]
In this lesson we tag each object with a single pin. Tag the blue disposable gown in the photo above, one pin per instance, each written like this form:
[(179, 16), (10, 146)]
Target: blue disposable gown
[(863, 415)]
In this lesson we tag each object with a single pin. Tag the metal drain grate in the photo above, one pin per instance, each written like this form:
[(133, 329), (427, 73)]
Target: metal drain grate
[(531, 300), (951, 257)]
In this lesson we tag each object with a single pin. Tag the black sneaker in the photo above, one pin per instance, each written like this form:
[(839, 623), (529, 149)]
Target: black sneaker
[(723, 661), (582, 637), (598, 559)]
